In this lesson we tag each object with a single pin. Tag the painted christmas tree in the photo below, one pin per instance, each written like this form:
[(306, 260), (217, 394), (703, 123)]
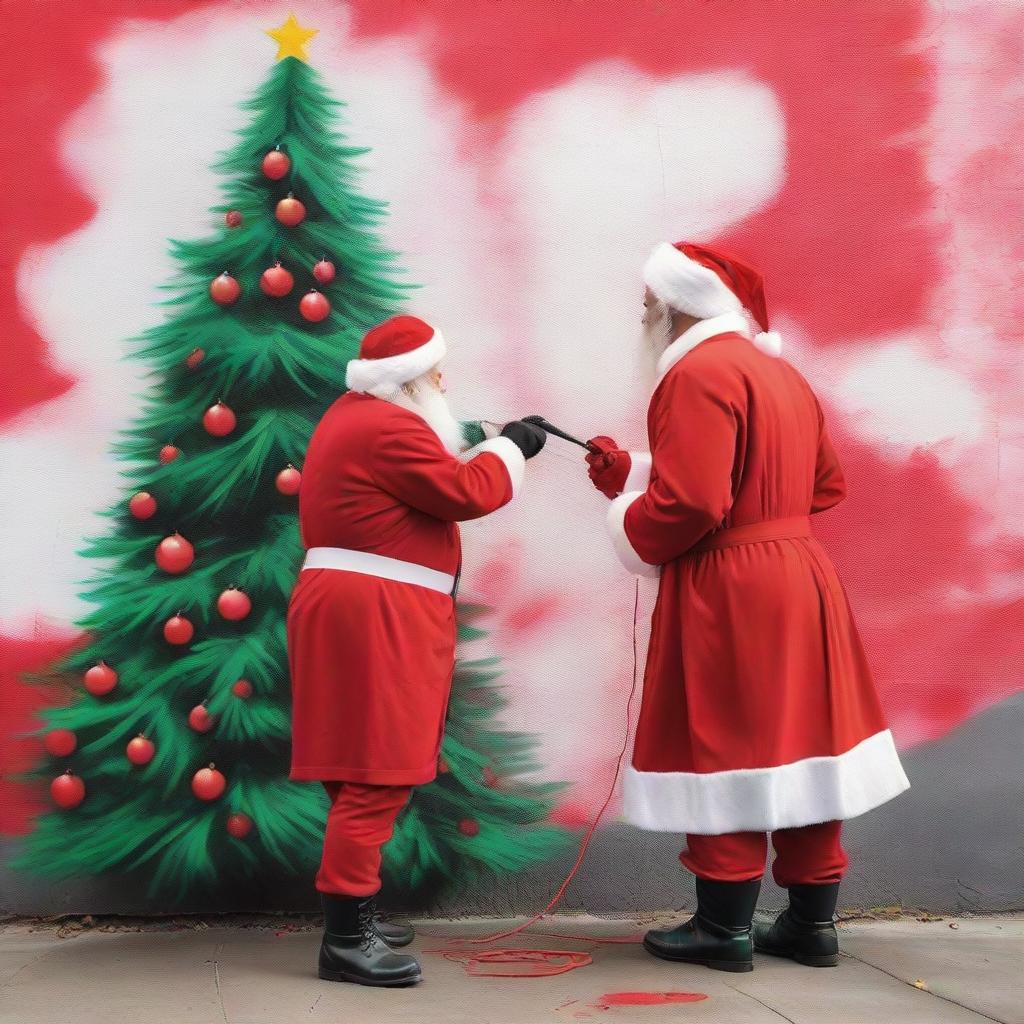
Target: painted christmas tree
[(172, 757)]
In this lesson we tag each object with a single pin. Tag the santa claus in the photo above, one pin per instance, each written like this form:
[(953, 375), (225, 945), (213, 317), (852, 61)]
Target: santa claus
[(371, 624), (759, 712)]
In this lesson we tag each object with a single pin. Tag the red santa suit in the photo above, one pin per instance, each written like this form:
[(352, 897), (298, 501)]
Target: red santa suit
[(371, 623), (759, 712)]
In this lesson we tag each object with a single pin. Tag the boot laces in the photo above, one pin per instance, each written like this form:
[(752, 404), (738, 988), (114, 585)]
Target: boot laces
[(368, 933)]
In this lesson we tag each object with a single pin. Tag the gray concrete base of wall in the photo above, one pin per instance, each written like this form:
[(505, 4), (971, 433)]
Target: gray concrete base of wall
[(950, 844)]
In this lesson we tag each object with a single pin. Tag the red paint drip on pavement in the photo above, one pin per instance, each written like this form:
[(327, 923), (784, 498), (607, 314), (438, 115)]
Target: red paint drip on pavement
[(648, 998)]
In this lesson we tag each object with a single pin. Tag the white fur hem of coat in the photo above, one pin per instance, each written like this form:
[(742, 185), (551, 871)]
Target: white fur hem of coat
[(805, 792)]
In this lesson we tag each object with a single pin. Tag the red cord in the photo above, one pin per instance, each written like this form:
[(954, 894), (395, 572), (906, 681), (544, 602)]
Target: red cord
[(547, 962)]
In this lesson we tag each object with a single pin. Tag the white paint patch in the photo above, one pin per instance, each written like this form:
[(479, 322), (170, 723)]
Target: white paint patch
[(900, 397), (603, 169)]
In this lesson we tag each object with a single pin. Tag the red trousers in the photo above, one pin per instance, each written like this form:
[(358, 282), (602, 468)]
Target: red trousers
[(812, 855), (361, 820)]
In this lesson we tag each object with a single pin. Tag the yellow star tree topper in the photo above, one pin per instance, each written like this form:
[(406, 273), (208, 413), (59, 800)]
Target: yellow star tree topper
[(291, 39)]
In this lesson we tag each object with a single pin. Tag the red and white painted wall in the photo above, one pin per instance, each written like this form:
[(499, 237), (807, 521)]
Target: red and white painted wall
[(866, 155)]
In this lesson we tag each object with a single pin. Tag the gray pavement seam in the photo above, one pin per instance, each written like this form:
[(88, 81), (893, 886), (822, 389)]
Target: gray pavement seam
[(927, 991), (35, 960), (767, 1006), (216, 984)]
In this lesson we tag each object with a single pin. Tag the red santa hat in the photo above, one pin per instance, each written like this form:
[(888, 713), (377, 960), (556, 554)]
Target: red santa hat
[(394, 353), (705, 282)]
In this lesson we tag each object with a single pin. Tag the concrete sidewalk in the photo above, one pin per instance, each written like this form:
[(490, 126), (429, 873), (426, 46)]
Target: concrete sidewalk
[(191, 972)]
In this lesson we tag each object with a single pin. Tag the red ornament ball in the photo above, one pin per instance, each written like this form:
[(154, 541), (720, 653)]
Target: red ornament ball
[(67, 791), (194, 358), (60, 742), (290, 211), (490, 779), (234, 604), (276, 165), (140, 751), (142, 505), (233, 218), (468, 827), (442, 766), (174, 554), (239, 825), (219, 420), (178, 630), (324, 271), (200, 720), (276, 281), (288, 480), (169, 453), (208, 783), (314, 306), (224, 290), (243, 689), (100, 679)]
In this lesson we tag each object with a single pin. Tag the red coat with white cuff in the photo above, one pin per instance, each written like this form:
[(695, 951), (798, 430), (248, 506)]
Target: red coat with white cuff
[(372, 645), (759, 711)]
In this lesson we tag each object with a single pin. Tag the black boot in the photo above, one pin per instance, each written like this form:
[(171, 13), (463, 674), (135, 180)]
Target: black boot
[(353, 950), (804, 931), (394, 934), (718, 935)]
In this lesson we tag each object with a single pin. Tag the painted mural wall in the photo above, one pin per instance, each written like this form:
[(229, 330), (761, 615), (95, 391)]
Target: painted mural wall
[(866, 156)]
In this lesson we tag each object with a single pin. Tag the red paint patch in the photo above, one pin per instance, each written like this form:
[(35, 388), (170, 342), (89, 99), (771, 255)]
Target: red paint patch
[(44, 83), (572, 814), (496, 577), (648, 998), (531, 614), (19, 703)]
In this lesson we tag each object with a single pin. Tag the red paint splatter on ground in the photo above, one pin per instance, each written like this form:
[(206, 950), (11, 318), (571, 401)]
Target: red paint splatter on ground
[(647, 998)]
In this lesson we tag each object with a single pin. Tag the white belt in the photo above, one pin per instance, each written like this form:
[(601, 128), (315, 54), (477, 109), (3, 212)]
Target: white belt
[(369, 564)]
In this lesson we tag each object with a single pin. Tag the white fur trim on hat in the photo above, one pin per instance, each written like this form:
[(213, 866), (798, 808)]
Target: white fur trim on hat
[(383, 377), (620, 541), (509, 453), (687, 286)]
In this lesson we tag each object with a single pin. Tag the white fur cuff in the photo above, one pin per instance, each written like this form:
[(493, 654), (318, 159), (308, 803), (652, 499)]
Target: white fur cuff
[(639, 472), (616, 527), (383, 377), (509, 454)]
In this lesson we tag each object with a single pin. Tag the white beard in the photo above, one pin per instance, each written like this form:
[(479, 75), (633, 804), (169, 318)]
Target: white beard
[(657, 334), (430, 404)]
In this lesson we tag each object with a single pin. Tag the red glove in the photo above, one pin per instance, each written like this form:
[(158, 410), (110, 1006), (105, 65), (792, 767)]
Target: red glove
[(609, 466)]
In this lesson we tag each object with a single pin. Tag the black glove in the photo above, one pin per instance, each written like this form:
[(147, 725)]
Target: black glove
[(527, 437)]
